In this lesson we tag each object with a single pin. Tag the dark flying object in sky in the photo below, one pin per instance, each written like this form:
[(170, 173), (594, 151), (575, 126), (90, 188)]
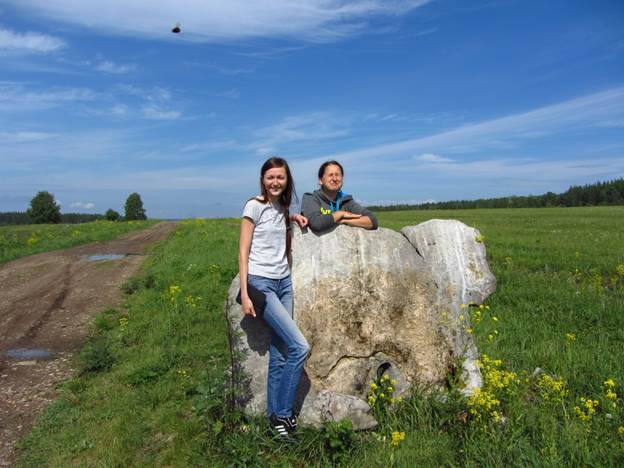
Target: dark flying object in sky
[(176, 29)]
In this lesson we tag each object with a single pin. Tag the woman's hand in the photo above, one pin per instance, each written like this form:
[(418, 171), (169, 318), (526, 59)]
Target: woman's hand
[(301, 220), (349, 215), (248, 307), (342, 215)]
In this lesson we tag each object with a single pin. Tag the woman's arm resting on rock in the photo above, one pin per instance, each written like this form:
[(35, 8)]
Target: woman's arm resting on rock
[(361, 221), (246, 233)]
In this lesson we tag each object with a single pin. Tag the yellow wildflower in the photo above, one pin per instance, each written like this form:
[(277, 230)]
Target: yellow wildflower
[(552, 388), (621, 430), (570, 337), (397, 438), (494, 318), (609, 383), (587, 409)]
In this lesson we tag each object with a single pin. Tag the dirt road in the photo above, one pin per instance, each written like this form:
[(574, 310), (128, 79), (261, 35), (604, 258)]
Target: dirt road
[(47, 303)]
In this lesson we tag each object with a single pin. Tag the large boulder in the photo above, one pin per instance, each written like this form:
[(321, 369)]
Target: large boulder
[(370, 302)]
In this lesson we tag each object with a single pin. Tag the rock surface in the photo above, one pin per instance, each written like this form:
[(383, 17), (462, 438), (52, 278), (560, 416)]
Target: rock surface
[(457, 259), (370, 302)]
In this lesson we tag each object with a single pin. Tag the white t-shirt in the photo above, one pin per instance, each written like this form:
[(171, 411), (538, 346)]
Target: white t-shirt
[(267, 255)]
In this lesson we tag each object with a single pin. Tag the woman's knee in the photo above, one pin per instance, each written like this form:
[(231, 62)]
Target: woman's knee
[(301, 348)]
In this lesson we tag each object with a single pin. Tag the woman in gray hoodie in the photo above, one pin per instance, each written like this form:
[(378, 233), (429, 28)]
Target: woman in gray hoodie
[(329, 206)]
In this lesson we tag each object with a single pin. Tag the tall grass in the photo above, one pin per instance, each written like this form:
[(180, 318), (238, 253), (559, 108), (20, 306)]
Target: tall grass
[(20, 241), (160, 396)]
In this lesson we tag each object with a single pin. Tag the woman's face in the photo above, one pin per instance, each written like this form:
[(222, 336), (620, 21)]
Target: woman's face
[(332, 178), (274, 181)]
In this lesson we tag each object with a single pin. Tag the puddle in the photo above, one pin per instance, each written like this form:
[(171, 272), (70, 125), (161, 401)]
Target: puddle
[(97, 258), (27, 354)]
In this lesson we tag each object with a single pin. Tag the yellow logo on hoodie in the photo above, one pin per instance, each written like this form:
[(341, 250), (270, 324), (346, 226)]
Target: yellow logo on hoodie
[(325, 210)]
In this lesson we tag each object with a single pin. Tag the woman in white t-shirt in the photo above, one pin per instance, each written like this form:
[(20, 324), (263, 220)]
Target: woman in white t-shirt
[(264, 263)]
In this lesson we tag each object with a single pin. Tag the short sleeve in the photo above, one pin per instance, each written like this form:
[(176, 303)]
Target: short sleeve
[(252, 211)]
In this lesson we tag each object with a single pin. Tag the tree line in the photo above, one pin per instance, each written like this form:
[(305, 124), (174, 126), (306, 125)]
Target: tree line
[(45, 210), (599, 193)]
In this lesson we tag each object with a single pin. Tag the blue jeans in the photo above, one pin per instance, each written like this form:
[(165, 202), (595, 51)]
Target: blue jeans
[(289, 348)]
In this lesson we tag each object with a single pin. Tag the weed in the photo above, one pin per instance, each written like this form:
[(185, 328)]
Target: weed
[(338, 439), (96, 356)]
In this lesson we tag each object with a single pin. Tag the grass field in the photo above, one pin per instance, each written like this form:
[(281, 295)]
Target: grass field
[(20, 241), (152, 385)]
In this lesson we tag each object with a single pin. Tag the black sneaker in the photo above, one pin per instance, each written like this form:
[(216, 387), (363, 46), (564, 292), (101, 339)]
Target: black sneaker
[(292, 422), (280, 426)]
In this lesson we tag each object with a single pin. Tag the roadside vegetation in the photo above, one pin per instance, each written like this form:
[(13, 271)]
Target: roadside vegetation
[(152, 386), (23, 240)]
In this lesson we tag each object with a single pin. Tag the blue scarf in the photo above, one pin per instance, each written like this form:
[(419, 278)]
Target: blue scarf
[(335, 206)]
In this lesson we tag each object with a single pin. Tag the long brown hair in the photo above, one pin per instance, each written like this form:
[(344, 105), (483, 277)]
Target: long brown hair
[(288, 195)]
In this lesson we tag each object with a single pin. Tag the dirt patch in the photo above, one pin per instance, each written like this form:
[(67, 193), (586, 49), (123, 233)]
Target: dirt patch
[(47, 302)]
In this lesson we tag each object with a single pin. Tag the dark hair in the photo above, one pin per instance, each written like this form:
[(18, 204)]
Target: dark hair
[(329, 163), (289, 194)]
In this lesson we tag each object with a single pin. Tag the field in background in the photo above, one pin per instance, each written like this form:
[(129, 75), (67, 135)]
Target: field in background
[(152, 383), (23, 240)]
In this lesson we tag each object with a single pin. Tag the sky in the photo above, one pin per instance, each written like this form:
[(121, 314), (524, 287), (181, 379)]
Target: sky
[(419, 100)]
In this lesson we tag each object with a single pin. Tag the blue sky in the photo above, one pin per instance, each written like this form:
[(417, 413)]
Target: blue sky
[(420, 100)]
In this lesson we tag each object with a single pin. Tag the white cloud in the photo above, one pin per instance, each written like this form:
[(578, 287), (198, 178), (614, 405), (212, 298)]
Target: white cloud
[(24, 137), (431, 158), (525, 169), (114, 68), (83, 206), (156, 113), (223, 20), (29, 42), (230, 94), (506, 132), (119, 110), (303, 127), (155, 94), (17, 97), (399, 202)]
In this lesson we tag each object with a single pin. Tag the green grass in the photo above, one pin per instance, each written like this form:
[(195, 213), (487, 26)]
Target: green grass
[(153, 385), (20, 241)]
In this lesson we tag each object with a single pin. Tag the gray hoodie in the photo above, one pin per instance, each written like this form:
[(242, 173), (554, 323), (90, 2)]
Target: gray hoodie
[(318, 208)]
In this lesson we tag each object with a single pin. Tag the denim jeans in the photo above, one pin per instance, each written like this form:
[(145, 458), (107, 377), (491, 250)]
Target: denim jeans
[(289, 348)]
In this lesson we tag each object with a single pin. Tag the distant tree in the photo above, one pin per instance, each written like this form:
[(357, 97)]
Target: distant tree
[(44, 209), (134, 207), (112, 215)]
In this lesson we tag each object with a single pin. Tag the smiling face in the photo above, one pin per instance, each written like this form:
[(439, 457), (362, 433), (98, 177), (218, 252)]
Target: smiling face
[(331, 180), (275, 181)]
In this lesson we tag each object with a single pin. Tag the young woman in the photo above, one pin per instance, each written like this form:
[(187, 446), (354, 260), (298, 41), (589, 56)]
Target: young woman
[(264, 263), (329, 206)]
